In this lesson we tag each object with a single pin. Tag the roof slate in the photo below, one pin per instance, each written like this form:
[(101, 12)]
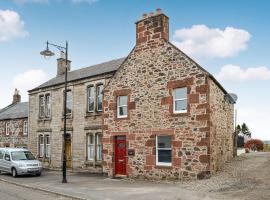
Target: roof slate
[(14, 111), (102, 68)]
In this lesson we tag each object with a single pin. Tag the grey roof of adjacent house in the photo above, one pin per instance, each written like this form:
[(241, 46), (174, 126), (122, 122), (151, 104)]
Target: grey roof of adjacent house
[(14, 111), (102, 68)]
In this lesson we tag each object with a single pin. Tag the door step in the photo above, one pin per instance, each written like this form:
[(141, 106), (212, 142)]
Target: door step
[(119, 176)]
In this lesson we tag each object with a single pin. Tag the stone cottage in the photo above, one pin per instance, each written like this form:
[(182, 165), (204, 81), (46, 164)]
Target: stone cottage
[(155, 114), (164, 115), (14, 123)]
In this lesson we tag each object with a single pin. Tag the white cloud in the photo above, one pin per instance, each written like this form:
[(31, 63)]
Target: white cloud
[(236, 73), (11, 26), (202, 41), (29, 80), (257, 120)]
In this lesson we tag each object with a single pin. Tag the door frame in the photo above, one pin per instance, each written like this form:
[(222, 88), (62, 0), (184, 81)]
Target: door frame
[(68, 135), (126, 157)]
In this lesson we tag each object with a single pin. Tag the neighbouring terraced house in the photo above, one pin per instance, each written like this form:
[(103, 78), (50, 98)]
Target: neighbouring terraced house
[(154, 114), (14, 123)]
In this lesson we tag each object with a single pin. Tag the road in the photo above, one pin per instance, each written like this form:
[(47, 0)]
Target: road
[(13, 192)]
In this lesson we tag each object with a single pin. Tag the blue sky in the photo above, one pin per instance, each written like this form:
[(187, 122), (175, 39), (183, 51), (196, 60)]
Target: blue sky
[(228, 38)]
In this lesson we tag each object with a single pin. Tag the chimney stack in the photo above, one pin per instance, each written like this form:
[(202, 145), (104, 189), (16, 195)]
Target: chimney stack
[(16, 97), (152, 26), (61, 65)]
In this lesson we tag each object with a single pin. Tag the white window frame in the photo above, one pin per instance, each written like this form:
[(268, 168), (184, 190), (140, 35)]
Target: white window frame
[(98, 146), (181, 99), (89, 146), (7, 128), (90, 98), (41, 105), (25, 127), (118, 107), (41, 146), (162, 163), (47, 105), (99, 94), (68, 101), (47, 146), (95, 146)]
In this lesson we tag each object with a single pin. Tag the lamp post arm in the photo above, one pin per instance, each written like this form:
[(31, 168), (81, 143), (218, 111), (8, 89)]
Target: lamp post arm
[(60, 48)]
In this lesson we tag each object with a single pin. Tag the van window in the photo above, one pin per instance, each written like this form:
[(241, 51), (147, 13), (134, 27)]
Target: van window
[(1, 155), (7, 156)]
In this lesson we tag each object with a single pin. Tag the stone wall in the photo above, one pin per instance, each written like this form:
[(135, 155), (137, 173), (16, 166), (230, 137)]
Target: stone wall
[(222, 128), (16, 137), (79, 124)]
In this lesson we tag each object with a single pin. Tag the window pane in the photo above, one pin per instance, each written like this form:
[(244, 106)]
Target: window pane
[(99, 90), (90, 94), (180, 105), (122, 101), (180, 93), (41, 140), (48, 105), (41, 106), (69, 102), (165, 156), (99, 103), (91, 105), (90, 152), (123, 111), (90, 139), (164, 141)]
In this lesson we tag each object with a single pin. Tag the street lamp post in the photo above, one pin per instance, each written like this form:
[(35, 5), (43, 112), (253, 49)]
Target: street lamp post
[(48, 53)]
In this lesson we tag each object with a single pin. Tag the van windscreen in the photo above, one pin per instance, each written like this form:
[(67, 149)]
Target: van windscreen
[(22, 155)]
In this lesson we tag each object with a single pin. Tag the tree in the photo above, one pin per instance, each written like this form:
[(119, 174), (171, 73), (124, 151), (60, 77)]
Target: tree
[(238, 129), (254, 145), (245, 130)]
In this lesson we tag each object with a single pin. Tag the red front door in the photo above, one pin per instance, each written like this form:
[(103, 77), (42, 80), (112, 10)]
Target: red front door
[(120, 155)]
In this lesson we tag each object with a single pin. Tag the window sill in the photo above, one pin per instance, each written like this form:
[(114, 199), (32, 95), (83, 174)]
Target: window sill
[(93, 114), (44, 119), (93, 163), (179, 114), (159, 166), (69, 116)]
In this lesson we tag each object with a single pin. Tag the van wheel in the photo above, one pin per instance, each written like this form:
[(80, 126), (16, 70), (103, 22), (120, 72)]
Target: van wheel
[(14, 172), (38, 174)]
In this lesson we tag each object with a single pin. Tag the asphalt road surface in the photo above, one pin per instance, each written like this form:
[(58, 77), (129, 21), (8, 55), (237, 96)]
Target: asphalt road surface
[(13, 192)]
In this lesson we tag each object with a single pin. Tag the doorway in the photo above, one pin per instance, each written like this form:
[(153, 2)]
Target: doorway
[(120, 155)]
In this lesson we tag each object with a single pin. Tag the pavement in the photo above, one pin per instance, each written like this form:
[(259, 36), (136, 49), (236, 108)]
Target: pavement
[(13, 192), (83, 186)]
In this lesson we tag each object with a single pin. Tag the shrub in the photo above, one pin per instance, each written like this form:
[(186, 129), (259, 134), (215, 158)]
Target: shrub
[(254, 145)]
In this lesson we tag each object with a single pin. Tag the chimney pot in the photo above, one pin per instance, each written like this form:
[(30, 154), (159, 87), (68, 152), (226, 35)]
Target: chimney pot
[(144, 15), (152, 27), (158, 10), (16, 96)]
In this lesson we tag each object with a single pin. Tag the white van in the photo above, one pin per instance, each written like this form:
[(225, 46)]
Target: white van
[(19, 161)]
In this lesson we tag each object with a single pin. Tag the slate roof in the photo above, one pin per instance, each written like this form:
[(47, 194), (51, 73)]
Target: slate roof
[(94, 70), (14, 111)]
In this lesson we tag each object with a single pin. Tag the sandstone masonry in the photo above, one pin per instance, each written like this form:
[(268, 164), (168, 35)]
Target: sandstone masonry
[(138, 107)]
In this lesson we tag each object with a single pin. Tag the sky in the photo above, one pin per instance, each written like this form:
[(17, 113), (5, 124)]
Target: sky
[(228, 38)]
